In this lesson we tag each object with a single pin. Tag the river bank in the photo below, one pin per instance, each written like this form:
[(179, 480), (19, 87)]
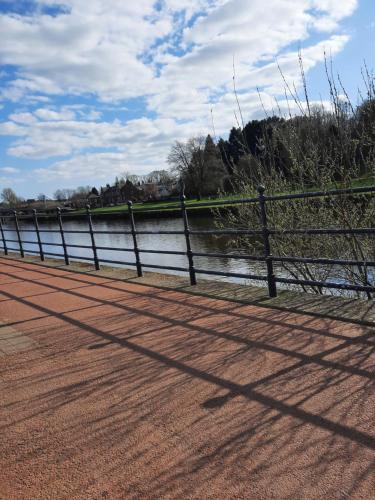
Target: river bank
[(151, 213)]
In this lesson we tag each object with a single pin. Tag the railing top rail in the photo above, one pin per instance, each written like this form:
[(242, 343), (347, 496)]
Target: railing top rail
[(218, 203)]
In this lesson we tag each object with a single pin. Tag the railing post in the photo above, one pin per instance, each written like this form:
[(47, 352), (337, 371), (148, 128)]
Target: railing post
[(94, 251), (41, 253), (189, 253), (135, 242), (266, 242), (3, 237), (63, 242), (18, 233)]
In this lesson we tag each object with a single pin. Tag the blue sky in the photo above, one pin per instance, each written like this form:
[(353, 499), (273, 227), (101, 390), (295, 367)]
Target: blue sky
[(91, 90)]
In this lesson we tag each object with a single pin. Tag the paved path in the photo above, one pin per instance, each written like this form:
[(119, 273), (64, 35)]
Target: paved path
[(118, 389)]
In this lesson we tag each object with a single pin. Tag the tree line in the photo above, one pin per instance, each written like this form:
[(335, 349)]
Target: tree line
[(323, 147), (315, 148)]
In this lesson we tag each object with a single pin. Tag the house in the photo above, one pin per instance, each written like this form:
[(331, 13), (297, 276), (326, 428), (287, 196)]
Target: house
[(122, 193), (130, 191), (119, 194), (94, 199), (111, 195), (153, 191), (164, 191)]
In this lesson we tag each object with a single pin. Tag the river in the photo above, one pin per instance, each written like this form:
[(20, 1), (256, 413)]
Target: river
[(199, 243)]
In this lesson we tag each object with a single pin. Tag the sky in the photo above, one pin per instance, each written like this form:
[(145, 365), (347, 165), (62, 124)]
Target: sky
[(91, 89)]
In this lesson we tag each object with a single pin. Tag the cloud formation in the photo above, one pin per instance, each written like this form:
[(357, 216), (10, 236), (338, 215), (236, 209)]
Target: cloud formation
[(173, 58)]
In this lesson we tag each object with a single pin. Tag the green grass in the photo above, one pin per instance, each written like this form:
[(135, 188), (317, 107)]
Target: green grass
[(367, 180), (162, 205), (173, 205)]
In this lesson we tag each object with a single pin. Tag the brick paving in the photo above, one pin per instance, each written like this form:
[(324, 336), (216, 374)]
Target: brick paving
[(123, 389)]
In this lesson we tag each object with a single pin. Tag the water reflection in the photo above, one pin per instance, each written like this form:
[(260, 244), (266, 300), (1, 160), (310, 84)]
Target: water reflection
[(200, 243)]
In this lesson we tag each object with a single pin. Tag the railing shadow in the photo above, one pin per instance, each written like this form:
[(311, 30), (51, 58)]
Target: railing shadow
[(322, 307), (185, 387)]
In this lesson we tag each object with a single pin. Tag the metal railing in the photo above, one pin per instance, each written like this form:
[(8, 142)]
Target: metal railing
[(264, 233)]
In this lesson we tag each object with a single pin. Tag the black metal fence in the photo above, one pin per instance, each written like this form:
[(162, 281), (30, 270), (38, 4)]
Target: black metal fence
[(265, 232)]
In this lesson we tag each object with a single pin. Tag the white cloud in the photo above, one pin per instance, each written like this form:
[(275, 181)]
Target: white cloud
[(331, 12), (9, 170), (178, 58), (46, 114), (89, 168), (67, 137), (269, 76), (100, 47), (95, 48), (23, 118)]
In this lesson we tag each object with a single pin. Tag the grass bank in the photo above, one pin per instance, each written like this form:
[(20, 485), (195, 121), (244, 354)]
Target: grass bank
[(172, 206)]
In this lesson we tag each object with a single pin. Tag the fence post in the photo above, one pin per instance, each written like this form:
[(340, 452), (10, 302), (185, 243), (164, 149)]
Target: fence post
[(3, 237), (94, 251), (135, 242), (189, 253), (266, 242), (59, 220), (18, 233), (41, 253)]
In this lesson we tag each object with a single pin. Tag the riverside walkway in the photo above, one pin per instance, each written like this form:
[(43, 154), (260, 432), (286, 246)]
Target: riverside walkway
[(118, 387)]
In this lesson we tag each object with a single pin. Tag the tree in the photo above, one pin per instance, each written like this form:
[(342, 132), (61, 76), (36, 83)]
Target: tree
[(59, 195), (79, 196), (133, 178), (199, 165), (186, 159), (150, 191), (63, 194), (215, 171), (130, 192), (236, 145), (81, 193), (321, 148), (10, 198), (161, 177)]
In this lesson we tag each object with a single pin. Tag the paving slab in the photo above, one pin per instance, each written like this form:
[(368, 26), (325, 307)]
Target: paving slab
[(13, 341)]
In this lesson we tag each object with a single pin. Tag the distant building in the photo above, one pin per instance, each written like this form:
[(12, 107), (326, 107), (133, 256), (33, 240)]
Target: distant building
[(130, 192), (110, 195), (153, 191), (94, 199), (121, 193)]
